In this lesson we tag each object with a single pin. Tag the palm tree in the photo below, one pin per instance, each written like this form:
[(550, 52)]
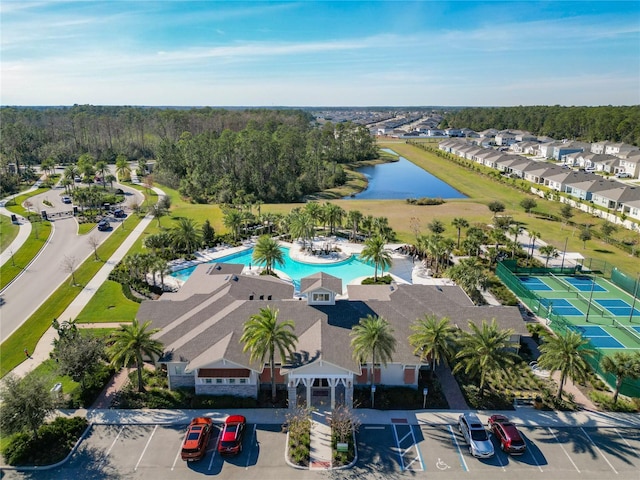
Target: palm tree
[(373, 338), (333, 214), (433, 339), (533, 236), (484, 350), (131, 343), (233, 220), (186, 236), (102, 167), (301, 225), (622, 365), (315, 211), (354, 217), (262, 335), (568, 353), (548, 251), (375, 253), (122, 168), (459, 223), (267, 251)]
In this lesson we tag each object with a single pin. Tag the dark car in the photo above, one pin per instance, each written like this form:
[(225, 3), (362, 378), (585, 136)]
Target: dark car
[(194, 446), (232, 433), (103, 225), (119, 213), (507, 434)]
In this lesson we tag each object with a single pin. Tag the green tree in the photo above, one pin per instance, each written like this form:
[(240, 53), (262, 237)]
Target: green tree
[(375, 253), (528, 204), (263, 336), (548, 251), (373, 338), (622, 365), (26, 403), (354, 217), (79, 356), (436, 226), (566, 212), (122, 168), (333, 214), (233, 221), (131, 343), (607, 228), (208, 235), (533, 236), (459, 223), (585, 236), (496, 207), (301, 225), (566, 352), (267, 252), (185, 236), (485, 350), (103, 168), (433, 339)]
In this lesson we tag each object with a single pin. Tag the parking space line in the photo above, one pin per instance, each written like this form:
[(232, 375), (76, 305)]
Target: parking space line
[(215, 449), (145, 447), (531, 452), (598, 448), (635, 453), (113, 444), (175, 460), (415, 442), (395, 434), (455, 440), (253, 435), (565, 452)]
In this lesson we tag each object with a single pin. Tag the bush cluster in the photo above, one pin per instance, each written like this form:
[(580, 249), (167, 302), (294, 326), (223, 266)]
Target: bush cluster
[(425, 201), (299, 426), (55, 441)]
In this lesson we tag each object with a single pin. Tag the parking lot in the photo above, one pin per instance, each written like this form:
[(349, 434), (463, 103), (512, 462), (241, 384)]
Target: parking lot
[(398, 450)]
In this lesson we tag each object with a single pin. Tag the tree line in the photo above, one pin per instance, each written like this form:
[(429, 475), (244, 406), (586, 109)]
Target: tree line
[(589, 124), (272, 155)]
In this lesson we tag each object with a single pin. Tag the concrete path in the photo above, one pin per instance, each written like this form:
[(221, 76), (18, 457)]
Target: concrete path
[(450, 388), (321, 452)]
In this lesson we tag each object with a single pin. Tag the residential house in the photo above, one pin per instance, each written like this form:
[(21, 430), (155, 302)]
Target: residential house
[(616, 198), (558, 180), (599, 147), (584, 188), (560, 151), (201, 326), (505, 138), (620, 149)]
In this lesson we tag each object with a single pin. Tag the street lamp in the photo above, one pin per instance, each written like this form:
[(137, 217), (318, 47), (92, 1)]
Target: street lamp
[(425, 390), (373, 392)]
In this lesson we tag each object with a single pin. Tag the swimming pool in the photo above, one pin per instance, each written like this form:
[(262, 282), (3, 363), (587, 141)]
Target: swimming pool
[(347, 270)]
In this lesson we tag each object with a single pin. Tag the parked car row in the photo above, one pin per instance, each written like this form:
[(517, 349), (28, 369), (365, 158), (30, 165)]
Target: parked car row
[(194, 446), (480, 445)]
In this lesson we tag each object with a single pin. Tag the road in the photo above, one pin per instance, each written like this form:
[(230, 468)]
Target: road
[(45, 274)]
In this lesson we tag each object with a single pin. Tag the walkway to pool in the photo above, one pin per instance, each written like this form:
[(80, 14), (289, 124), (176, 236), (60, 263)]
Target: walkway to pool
[(404, 269)]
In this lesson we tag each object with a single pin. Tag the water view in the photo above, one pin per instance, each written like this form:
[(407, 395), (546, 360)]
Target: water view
[(347, 270), (402, 180)]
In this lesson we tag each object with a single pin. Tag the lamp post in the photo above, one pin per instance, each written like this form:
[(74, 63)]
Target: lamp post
[(593, 284), (373, 398), (635, 294), (425, 390)]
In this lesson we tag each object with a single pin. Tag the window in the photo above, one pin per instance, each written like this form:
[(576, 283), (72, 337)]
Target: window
[(219, 380), (232, 380), (320, 297), (208, 380), (243, 380)]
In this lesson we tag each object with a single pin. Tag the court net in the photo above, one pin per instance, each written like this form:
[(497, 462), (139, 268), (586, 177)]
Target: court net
[(628, 330)]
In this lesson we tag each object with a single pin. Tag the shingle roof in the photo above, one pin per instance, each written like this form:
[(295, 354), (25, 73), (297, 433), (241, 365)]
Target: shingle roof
[(204, 328)]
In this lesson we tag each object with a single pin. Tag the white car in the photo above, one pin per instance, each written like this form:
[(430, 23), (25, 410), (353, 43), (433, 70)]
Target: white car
[(622, 175), (475, 435)]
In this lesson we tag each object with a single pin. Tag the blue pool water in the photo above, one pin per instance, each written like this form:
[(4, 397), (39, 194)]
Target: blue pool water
[(347, 270)]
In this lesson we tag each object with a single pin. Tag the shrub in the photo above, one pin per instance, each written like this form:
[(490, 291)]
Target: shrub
[(299, 426), (55, 441), (605, 402), (87, 393), (386, 280)]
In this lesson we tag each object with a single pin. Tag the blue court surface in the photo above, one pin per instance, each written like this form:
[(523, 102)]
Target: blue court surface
[(598, 337), (534, 283), (618, 307), (637, 329), (561, 306), (583, 283)]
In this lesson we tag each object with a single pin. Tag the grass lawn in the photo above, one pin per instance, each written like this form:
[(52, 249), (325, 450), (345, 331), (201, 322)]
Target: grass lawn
[(8, 231), (84, 228), (25, 254), (11, 350), (109, 305)]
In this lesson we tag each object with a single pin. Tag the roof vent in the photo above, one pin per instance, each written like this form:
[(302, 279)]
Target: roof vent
[(250, 297), (235, 278), (218, 267)]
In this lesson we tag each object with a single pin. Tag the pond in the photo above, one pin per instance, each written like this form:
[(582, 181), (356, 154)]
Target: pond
[(402, 180)]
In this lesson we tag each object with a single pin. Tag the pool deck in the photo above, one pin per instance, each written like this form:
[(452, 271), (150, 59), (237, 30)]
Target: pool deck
[(404, 269)]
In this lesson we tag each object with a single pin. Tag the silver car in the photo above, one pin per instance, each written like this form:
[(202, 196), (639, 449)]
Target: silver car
[(475, 435)]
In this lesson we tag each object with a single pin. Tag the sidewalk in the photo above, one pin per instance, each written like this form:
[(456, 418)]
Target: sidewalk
[(23, 233), (321, 452)]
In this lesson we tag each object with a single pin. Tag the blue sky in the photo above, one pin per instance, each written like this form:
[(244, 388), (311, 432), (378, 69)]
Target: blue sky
[(308, 53)]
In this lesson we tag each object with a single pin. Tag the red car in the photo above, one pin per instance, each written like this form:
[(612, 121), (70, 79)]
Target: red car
[(507, 434), (232, 433), (195, 442)]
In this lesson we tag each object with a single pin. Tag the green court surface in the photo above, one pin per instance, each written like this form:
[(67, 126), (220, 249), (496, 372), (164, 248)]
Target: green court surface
[(602, 312)]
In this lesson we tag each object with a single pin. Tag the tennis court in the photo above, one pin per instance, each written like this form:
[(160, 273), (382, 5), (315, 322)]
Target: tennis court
[(618, 308), (583, 283), (534, 283), (561, 306), (598, 336)]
